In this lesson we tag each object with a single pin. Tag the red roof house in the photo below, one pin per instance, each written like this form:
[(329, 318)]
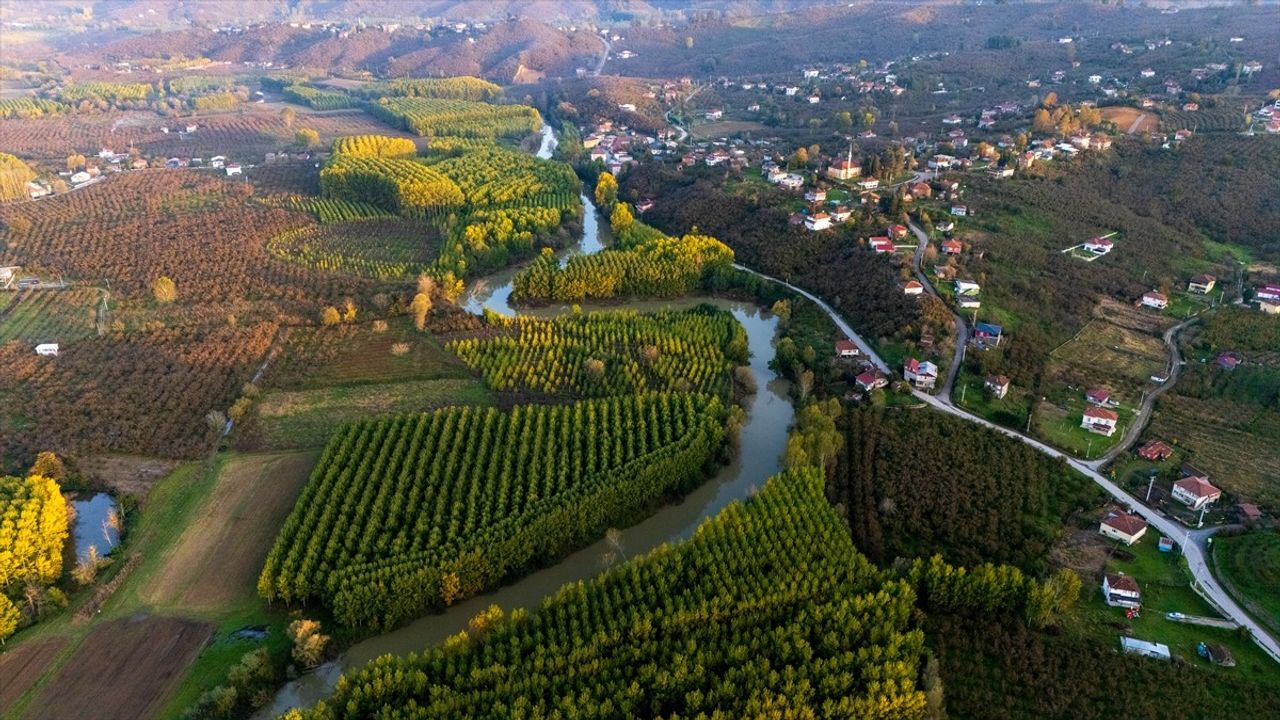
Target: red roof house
[(1155, 451)]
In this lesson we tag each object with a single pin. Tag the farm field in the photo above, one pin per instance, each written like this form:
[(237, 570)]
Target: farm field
[(51, 316), (1250, 563), (308, 418), (215, 562), (726, 128), (1107, 355), (318, 357), (142, 393), (156, 652), (22, 666), (1237, 444), (382, 249), (245, 136), (1130, 120)]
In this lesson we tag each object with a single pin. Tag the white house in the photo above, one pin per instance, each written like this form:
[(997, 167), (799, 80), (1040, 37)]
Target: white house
[(1195, 492), (1268, 292), (818, 221), (868, 184), (48, 349), (1155, 300), (967, 287), (1121, 591), (233, 169), (912, 287), (921, 374), (959, 210), (1099, 420), (1125, 527), (816, 195), (1099, 246), (846, 349), (997, 385), (715, 114), (80, 178), (1201, 284)]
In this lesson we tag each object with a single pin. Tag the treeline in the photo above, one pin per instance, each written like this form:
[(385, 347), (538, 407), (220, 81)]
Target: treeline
[(1241, 330), (30, 108), (318, 99), (609, 353), (390, 183), (379, 146), (767, 610), (916, 483), (34, 520), (453, 88), (860, 284), (995, 667), (411, 513), (430, 117)]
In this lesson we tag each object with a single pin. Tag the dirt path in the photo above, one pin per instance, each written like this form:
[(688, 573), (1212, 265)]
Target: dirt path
[(217, 560)]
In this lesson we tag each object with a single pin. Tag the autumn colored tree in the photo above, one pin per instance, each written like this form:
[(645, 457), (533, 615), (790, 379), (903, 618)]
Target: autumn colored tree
[(163, 289), (309, 643), (1042, 123), (33, 530), (621, 218), (420, 306), (287, 116), (10, 616), (307, 137), (14, 176), (606, 191), (330, 316), (49, 465)]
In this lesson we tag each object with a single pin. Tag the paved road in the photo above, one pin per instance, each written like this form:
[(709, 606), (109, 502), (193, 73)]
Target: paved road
[(1172, 373), (962, 328), (1192, 544), (608, 48)]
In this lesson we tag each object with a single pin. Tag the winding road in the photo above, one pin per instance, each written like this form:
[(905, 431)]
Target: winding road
[(962, 328), (1192, 543)]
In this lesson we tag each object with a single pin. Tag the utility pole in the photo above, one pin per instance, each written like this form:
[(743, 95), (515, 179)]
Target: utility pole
[(1203, 510), (1088, 453), (1150, 485), (963, 388)]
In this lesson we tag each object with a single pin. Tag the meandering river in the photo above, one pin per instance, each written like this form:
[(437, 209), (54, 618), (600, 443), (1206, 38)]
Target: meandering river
[(762, 441)]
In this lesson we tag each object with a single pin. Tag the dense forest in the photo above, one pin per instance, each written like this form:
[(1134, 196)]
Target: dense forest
[(768, 611), (995, 668), (917, 483), (863, 286)]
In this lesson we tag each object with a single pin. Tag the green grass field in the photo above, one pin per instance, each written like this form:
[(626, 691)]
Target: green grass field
[(51, 316), (1009, 411), (1060, 426), (1250, 565), (1165, 587)]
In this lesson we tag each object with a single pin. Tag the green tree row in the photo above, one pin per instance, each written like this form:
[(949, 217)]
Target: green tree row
[(609, 353), (767, 611), (411, 513), (430, 117)]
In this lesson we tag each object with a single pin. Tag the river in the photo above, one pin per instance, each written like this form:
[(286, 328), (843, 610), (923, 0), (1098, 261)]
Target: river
[(762, 442)]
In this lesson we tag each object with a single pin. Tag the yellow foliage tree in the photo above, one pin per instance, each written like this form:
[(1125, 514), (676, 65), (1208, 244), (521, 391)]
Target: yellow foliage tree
[(330, 316), (33, 530), (164, 290), (606, 190)]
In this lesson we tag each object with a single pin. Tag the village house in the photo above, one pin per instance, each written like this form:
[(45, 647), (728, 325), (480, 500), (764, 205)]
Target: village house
[(872, 379), (868, 183), (1201, 284), (997, 385), (840, 214), (988, 333), (881, 244), (1155, 300), (1155, 451), (846, 349), (818, 221), (1099, 421), (921, 374), (233, 169), (714, 114), (1269, 307), (1268, 292), (1125, 527), (945, 226), (816, 195), (1228, 361), (1099, 246), (967, 287), (1248, 513), (897, 232), (47, 349), (1120, 590), (960, 210), (912, 287), (1195, 492), (921, 190), (1098, 396)]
